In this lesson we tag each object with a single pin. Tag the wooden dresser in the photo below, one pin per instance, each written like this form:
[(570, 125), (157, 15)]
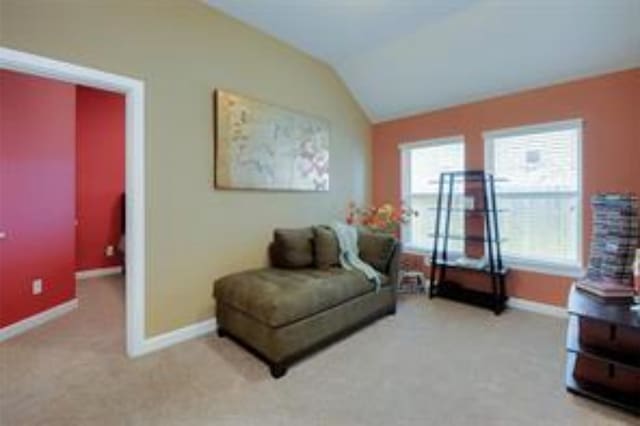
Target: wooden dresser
[(603, 350)]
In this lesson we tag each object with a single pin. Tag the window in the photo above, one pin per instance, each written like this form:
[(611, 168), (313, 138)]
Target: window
[(422, 163), (541, 194)]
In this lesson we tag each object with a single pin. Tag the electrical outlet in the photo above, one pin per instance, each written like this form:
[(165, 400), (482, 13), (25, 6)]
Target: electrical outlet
[(109, 251), (36, 286)]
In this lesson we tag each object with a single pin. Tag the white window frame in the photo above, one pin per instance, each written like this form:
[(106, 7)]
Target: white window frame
[(405, 175), (545, 267)]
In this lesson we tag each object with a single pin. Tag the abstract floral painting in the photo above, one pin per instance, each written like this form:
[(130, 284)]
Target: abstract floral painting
[(261, 146)]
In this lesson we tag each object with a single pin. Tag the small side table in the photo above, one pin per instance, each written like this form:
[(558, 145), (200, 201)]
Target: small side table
[(603, 350), (411, 282)]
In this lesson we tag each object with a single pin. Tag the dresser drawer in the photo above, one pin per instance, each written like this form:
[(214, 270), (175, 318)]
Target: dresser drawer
[(609, 375), (616, 339)]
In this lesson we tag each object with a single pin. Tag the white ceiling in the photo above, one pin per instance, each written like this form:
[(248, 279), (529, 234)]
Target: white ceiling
[(400, 57)]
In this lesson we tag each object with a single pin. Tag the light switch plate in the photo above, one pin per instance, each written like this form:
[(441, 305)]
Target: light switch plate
[(109, 251), (36, 286)]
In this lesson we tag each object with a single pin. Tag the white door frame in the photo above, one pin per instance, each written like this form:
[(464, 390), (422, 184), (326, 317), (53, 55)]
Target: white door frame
[(134, 171)]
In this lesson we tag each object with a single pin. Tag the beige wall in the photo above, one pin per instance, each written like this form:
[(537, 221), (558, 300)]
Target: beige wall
[(183, 50)]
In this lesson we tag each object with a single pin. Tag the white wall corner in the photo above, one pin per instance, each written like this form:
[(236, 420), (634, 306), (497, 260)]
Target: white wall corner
[(180, 335)]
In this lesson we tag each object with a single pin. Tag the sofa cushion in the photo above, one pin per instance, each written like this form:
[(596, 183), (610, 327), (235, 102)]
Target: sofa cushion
[(376, 249), (326, 249), (293, 248), (278, 297)]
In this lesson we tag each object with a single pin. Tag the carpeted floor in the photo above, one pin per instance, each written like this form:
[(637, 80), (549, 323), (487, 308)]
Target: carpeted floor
[(434, 363)]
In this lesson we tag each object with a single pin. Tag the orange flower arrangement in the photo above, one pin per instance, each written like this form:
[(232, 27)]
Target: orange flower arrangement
[(385, 218)]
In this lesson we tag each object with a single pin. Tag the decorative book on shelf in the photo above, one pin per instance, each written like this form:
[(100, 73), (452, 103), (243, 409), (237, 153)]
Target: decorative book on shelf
[(471, 193), (613, 244)]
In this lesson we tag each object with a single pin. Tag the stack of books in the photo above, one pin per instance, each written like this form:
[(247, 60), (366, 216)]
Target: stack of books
[(613, 245)]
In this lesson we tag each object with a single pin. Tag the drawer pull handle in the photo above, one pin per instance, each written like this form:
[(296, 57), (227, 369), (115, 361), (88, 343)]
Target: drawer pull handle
[(612, 332)]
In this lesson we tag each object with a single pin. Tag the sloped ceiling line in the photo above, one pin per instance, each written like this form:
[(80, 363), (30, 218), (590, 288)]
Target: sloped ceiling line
[(401, 57)]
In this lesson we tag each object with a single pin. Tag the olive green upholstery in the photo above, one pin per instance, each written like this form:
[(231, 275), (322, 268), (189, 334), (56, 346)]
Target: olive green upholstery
[(325, 246), (278, 297), (376, 249), (293, 248), (285, 344), (281, 314)]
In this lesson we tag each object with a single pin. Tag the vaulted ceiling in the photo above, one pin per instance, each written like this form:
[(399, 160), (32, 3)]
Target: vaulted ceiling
[(400, 57)]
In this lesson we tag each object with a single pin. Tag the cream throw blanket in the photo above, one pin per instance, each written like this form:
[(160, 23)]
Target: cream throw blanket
[(349, 254)]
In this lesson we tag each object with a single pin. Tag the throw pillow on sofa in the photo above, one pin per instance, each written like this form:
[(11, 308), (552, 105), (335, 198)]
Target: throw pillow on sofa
[(326, 248), (375, 249), (293, 248)]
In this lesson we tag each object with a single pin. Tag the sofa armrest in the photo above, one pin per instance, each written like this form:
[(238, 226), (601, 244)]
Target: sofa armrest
[(393, 270)]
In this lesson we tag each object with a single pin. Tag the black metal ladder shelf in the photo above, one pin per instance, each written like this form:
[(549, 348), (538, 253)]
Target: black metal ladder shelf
[(441, 261)]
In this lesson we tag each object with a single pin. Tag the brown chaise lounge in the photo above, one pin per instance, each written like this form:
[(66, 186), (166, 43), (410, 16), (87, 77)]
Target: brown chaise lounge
[(304, 300)]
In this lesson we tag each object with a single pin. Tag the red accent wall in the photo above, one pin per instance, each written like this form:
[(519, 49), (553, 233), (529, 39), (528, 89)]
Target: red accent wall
[(100, 142), (37, 175), (610, 107)]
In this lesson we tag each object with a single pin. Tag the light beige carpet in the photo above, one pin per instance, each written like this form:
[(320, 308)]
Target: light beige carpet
[(434, 363)]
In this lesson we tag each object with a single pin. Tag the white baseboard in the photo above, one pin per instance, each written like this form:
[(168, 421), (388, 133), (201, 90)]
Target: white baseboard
[(37, 320), (177, 336), (537, 307), (100, 272)]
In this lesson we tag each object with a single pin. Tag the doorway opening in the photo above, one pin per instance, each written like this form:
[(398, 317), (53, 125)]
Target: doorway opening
[(133, 246)]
